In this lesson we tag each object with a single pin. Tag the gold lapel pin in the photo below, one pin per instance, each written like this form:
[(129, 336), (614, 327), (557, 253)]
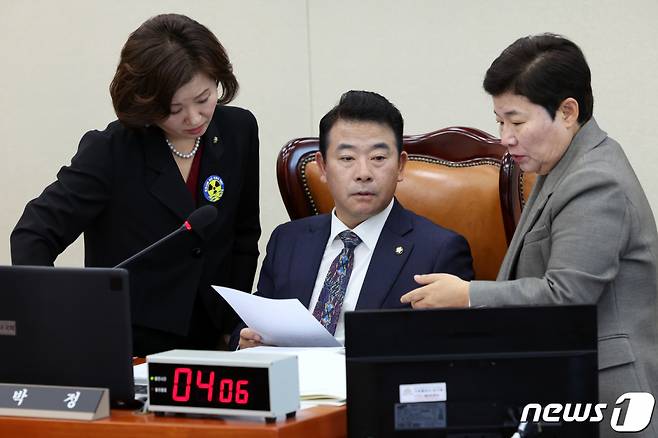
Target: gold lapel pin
[(215, 140), (399, 250)]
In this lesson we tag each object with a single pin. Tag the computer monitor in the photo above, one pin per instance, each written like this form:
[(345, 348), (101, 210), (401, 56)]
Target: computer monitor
[(485, 363), (66, 326)]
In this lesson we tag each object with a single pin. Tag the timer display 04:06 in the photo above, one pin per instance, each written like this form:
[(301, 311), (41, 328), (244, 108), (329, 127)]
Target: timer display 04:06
[(209, 386)]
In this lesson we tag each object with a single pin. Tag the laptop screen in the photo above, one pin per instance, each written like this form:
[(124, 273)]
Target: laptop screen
[(66, 326)]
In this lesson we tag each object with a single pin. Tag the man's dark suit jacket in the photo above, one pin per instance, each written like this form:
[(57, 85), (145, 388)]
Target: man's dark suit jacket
[(124, 191), (295, 250)]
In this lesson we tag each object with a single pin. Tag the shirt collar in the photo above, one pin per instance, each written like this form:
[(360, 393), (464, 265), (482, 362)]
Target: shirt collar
[(368, 230)]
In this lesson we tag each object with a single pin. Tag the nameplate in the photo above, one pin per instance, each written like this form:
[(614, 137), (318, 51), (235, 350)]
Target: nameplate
[(67, 402)]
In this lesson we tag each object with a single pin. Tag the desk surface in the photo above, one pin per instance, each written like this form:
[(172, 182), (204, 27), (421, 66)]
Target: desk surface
[(320, 422)]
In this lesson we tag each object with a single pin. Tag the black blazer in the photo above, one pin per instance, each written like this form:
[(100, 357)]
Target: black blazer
[(124, 191)]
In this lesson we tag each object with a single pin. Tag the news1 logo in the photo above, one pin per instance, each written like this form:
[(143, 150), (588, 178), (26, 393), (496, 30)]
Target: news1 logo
[(637, 412)]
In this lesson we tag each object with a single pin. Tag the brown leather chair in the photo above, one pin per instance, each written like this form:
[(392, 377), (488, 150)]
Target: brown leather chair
[(453, 177)]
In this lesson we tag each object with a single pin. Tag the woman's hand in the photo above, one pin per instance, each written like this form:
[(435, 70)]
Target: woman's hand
[(438, 290)]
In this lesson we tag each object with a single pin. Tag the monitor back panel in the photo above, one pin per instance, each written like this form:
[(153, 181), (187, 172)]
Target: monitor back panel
[(492, 362), (66, 326)]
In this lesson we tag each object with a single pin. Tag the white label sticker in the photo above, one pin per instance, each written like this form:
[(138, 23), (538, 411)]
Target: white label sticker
[(423, 392)]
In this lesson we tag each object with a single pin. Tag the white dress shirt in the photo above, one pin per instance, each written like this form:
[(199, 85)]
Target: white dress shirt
[(368, 231)]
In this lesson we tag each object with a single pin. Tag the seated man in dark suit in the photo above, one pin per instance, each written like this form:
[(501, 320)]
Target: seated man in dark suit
[(365, 253)]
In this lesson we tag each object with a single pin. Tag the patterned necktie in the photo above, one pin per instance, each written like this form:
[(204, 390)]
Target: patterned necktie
[(327, 310)]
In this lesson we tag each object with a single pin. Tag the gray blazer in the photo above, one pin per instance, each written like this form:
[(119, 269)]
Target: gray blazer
[(587, 236)]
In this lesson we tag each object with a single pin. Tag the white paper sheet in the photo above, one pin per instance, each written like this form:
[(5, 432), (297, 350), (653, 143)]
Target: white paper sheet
[(321, 372), (141, 373), (284, 323)]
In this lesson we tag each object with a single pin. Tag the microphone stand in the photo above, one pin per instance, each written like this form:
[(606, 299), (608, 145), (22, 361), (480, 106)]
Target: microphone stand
[(181, 229)]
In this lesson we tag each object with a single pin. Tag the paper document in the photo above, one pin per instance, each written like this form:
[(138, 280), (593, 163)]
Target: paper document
[(284, 323), (321, 372), (141, 373)]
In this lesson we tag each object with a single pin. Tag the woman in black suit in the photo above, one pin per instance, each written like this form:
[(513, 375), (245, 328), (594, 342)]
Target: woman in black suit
[(175, 147)]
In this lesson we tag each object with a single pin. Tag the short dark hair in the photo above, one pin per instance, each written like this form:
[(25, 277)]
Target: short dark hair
[(163, 54), (362, 106), (546, 69)]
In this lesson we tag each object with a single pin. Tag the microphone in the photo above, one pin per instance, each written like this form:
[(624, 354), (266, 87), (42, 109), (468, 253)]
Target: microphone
[(199, 219), (196, 222)]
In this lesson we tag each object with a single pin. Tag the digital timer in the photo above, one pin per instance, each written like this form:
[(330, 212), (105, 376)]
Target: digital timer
[(223, 383)]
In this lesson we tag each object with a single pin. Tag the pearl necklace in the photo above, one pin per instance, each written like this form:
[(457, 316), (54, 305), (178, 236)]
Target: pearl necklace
[(190, 154)]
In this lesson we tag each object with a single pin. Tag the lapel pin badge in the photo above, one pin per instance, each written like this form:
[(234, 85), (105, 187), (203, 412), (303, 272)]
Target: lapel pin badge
[(399, 250), (213, 188), (215, 140)]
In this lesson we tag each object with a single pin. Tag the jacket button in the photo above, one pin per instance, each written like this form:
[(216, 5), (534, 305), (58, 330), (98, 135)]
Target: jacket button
[(196, 252)]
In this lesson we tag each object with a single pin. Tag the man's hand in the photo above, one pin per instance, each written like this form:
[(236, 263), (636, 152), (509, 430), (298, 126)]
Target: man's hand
[(438, 290), (249, 338)]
